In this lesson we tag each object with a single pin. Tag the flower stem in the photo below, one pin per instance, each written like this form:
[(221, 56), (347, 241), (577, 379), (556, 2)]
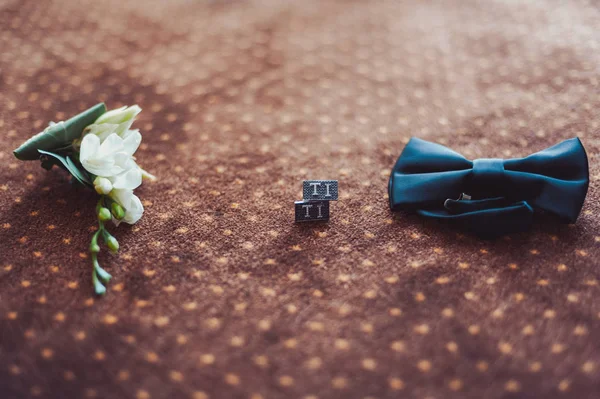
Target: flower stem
[(99, 275)]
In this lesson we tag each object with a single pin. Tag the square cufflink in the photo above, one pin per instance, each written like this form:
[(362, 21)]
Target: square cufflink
[(325, 190), (315, 204), (312, 211)]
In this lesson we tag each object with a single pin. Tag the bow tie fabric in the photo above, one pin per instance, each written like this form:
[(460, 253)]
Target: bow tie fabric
[(489, 196)]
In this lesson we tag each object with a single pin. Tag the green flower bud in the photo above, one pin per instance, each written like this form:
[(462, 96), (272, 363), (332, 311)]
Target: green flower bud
[(98, 287), (104, 214), (94, 248), (117, 211), (102, 274), (102, 185), (112, 244)]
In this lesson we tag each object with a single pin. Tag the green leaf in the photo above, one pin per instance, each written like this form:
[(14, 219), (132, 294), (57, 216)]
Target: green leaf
[(48, 163), (80, 176), (59, 135)]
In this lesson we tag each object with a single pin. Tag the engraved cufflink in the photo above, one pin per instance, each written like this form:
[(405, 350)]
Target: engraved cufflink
[(311, 211), (326, 190), (316, 195)]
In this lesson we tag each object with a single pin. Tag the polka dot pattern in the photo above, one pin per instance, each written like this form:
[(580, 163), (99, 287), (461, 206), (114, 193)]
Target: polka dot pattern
[(216, 292)]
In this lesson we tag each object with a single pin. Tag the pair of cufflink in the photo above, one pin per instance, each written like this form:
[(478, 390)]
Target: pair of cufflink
[(316, 195)]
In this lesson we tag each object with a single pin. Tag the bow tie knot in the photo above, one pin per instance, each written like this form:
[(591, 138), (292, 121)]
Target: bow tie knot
[(487, 172), (428, 178)]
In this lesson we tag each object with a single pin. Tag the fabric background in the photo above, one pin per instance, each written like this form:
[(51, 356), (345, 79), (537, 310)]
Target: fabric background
[(216, 292)]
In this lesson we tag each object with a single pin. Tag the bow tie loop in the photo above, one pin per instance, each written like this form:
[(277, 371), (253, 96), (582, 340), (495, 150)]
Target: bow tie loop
[(488, 218), (487, 176)]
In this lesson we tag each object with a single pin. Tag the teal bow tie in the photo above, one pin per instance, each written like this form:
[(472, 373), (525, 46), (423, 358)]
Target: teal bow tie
[(500, 194)]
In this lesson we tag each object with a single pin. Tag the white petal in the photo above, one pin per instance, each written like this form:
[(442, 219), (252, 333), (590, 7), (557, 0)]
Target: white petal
[(122, 197), (123, 160), (89, 146), (135, 210), (123, 129), (103, 130), (131, 203), (128, 133), (132, 142), (148, 175), (120, 115), (102, 167), (112, 145), (110, 116), (130, 179)]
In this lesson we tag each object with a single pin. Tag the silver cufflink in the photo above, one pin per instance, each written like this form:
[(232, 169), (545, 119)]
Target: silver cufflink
[(316, 195), (325, 190)]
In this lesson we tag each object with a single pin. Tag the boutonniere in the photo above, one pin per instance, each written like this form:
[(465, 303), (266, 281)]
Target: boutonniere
[(96, 147)]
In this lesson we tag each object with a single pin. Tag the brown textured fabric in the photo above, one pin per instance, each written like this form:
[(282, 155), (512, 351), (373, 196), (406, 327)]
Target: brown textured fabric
[(217, 293)]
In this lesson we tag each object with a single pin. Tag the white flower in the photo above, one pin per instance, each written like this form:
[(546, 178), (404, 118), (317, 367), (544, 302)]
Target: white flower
[(107, 147), (130, 202), (106, 151), (110, 157)]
